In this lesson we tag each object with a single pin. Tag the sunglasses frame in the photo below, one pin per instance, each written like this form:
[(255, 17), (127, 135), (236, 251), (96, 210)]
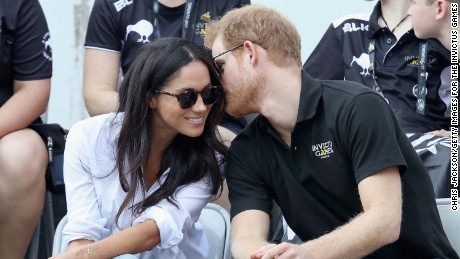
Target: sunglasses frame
[(196, 93)]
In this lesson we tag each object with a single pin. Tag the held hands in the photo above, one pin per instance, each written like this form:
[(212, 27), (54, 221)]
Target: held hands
[(283, 250)]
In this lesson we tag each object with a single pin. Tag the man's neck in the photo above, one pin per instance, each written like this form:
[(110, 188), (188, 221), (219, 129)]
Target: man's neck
[(394, 10), (394, 15), (445, 39), (281, 100), (171, 3)]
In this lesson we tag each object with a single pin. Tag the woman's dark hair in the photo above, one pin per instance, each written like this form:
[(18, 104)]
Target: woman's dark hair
[(189, 159)]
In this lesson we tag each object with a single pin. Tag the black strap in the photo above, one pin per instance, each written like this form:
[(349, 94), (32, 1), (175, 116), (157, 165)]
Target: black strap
[(188, 15), (422, 74)]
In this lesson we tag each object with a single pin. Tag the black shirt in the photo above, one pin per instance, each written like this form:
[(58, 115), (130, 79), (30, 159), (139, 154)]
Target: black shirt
[(337, 142), (342, 53), (25, 50)]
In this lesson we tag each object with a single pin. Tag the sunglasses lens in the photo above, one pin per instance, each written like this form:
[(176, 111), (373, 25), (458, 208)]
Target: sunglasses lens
[(187, 99), (211, 95)]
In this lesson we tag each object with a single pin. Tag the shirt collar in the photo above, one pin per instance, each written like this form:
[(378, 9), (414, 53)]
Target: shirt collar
[(310, 95), (374, 26)]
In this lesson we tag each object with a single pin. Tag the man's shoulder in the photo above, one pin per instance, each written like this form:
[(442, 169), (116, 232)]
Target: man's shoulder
[(352, 18), (344, 88), (118, 6), (9, 10)]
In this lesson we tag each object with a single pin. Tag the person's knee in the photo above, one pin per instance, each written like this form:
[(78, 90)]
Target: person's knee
[(23, 158)]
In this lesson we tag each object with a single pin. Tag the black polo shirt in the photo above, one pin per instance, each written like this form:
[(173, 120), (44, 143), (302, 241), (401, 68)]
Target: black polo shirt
[(342, 53), (344, 133)]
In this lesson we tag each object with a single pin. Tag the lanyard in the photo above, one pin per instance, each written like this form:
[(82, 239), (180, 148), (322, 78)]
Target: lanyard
[(422, 74), (186, 21)]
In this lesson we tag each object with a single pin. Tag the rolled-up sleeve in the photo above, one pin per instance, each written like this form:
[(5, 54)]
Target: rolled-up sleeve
[(173, 221), (84, 217)]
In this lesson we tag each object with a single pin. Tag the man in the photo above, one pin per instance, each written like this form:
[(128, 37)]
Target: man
[(432, 19), (25, 81), (338, 169), (381, 51)]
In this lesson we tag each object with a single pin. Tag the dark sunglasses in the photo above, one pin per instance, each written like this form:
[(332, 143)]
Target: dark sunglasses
[(188, 98)]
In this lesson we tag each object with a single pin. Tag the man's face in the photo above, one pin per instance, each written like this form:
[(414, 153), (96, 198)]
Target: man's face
[(423, 18), (238, 81)]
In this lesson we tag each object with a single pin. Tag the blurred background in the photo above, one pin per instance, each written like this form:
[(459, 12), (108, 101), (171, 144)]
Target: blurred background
[(67, 21)]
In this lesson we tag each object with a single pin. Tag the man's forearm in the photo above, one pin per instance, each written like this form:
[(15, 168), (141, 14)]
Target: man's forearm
[(243, 247), (358, 238)]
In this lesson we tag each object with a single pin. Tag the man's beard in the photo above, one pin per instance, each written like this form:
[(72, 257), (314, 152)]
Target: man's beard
[(243, 95)]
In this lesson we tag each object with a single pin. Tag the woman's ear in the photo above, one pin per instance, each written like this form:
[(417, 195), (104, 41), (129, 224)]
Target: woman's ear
[(152, 101)]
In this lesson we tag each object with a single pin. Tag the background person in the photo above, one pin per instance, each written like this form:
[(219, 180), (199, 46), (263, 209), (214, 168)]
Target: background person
[(25, 72), (381, 51)]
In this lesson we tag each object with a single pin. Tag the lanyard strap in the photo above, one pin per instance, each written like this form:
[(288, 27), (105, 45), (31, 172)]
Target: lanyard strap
[(422, 74), (185, 23), (371, 51)]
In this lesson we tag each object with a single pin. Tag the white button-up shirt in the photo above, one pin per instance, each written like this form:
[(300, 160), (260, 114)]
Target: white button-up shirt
[(94, 195)]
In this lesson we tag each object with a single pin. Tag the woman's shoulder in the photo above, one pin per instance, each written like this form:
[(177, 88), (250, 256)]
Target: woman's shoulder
[(98, 125)]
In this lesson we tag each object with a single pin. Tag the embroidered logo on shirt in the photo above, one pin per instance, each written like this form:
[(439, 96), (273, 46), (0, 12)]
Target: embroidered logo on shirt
[(46, 40), (201, 27), (143, 27), (322, 150), (351, 27), (364, 62), (120, 4)]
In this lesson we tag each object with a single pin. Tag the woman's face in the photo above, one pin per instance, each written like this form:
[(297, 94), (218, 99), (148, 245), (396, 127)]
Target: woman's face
[(169, 118)]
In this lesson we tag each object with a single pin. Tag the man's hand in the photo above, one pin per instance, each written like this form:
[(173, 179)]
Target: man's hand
[(440, 133), (283, 250)]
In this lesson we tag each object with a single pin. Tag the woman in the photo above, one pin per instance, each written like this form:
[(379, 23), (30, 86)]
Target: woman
[(137, 180)]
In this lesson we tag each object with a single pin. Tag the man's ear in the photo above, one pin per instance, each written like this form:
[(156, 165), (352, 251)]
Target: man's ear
[(442, 9), (252, 50)]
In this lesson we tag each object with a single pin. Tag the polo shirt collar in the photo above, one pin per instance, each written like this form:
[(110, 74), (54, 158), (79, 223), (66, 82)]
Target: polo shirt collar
[(310, 94), (374, 26)]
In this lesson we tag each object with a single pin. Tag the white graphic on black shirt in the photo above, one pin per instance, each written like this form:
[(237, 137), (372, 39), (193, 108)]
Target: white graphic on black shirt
[(122, 4), (322, 150), (143, 27), (46, 40), (351, 27), (364, 62)]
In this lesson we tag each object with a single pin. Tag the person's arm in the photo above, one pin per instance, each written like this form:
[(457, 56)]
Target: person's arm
[(29, 101), (138, 238), (378, 225), (100, 80), (249, 232)]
